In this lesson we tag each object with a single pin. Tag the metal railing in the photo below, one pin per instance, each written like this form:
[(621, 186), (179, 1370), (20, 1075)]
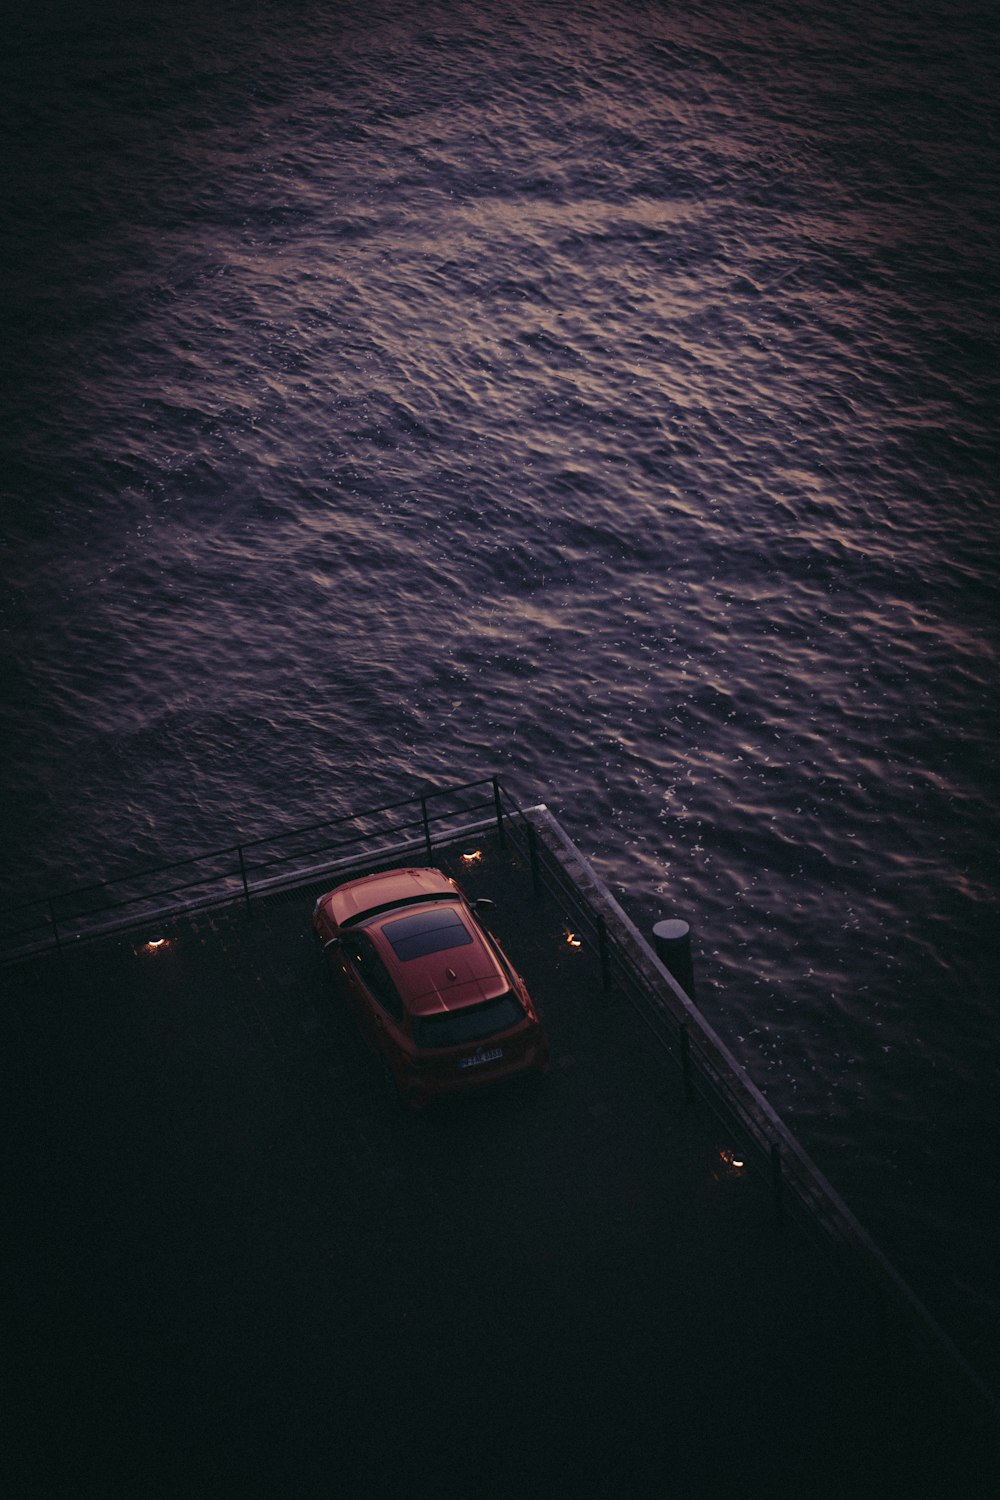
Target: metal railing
[(249, 868), (705, 1077), (620, 976), (712, 1077)]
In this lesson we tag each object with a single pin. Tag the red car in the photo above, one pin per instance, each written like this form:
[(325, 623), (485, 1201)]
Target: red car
[(430, 989)]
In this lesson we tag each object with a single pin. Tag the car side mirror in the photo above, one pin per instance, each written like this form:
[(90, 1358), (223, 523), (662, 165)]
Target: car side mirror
[(483, 904)]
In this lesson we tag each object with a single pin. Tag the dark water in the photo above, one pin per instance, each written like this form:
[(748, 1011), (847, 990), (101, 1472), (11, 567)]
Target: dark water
[(603, 394)]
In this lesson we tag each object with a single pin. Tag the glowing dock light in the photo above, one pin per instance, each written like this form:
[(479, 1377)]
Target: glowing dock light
[(470, 859), (155, 945), (573, 940), (733, 1164)]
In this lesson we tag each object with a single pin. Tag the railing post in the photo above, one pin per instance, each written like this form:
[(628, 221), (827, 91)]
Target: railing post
[(602, 945), (536, 874), (498, 805), (427, 829), (243, 873), (777, 1183), (686, 1063)]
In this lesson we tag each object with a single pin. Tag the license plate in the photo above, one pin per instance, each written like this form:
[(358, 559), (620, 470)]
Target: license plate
[(480, 1057)]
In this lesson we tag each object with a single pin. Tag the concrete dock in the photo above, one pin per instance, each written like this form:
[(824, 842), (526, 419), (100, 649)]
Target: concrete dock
[(235, 1267)]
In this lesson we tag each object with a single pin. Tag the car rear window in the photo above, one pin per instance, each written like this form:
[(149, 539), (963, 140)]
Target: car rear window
[(453, 1028), (427, 932)]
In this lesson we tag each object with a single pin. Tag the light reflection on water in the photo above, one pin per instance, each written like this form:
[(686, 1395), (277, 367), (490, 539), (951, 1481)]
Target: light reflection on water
[(601, 398)]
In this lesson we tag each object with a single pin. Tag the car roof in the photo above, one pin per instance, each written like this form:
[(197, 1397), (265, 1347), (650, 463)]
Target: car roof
[(438, 957)]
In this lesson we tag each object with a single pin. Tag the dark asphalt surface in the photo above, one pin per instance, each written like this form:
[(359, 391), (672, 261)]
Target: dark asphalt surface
[(234, 1266)]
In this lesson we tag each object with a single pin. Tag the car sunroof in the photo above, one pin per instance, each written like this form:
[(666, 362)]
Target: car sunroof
[(427, 932)]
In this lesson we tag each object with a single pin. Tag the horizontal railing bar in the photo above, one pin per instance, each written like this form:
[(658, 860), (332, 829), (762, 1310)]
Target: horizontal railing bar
[(281, 859), (101, 885), (393, 830), (215, 873), (372, 812), (169, 890), (76, 892)]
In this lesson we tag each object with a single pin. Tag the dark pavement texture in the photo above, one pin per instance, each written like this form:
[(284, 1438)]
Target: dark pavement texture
[(235, 1266)]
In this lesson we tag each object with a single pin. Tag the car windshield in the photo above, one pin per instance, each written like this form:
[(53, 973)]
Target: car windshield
[(427, 932), (454, 1028)]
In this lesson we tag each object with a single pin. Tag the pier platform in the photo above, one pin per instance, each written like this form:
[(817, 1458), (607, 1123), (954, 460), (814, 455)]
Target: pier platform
[(236, 1267)]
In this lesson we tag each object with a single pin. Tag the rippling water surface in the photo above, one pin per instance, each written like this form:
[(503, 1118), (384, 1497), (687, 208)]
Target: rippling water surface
[(603, 394)]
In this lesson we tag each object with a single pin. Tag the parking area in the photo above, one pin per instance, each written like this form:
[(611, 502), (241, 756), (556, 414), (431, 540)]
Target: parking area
[(237, 1267)]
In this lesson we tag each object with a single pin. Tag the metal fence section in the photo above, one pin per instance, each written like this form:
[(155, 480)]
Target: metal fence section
[(252, 867), (713, 1077), (682, 1036)]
